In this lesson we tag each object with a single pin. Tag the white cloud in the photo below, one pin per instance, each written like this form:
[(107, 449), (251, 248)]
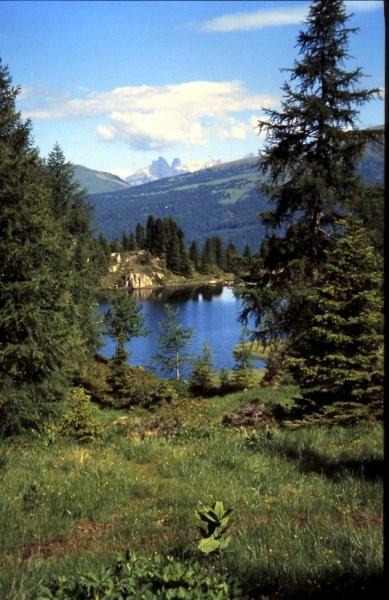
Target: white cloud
[(257, 19), (151, 117), (285, 15)]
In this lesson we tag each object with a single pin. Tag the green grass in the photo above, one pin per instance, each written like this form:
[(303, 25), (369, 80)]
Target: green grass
[(308, 502)]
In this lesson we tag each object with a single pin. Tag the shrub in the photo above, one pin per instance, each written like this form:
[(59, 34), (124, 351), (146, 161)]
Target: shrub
[(147, 393), (224, 382), (160, 426), (144, 577), (243, 376), (201, 380), (80, 417), (276, 372), (251, 415)]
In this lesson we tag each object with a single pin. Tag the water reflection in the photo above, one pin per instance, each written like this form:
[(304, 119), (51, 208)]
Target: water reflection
[(179, 294)]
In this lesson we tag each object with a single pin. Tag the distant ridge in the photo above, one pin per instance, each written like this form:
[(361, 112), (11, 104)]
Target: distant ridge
[(98, 182), (223, 200)]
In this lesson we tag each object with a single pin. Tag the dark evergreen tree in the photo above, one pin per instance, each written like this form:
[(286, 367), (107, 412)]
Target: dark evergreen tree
[(337, 359), (231, 255), (124, 242), (115, 246), (194, 254), (184, 267), (368, 207), (206, 261), (132, 245), (247, 252), (159, 237), (310, 164), (312, 144), (150, 234), (218, 251), (72, 210), (101, 255), (37, 328), (140, 236)]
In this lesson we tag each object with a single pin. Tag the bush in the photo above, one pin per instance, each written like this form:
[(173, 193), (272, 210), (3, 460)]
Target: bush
[(144, 577), (168, 426), (80, 417), (242, 378), (145, 258), (27, 407), (147, 394), (224, 382), (251, 415), (202, 378), (276, 372)]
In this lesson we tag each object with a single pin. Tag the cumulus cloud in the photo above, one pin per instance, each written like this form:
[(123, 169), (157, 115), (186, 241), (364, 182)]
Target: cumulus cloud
[(156, 117), (285, 15)]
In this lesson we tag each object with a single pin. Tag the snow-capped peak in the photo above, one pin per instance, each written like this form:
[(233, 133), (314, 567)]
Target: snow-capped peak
[(160, 168)]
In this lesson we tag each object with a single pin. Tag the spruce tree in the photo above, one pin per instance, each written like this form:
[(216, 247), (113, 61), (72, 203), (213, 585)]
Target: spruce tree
[(312, 144), (37, 328), (173, 342), (310, 167), (337, 359), (201, 380), (72, 210), (159, 237), (132, 245), (243, 374), (140, 236), (150, 234), (123, 321), (194, 254)]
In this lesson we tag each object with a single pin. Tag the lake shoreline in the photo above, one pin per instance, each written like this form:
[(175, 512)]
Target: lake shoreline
[(174, 285)]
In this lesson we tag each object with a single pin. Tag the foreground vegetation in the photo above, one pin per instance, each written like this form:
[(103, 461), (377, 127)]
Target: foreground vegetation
[(308, 502)]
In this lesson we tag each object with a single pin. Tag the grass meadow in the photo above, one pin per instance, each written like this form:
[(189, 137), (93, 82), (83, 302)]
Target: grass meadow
[(308, 502)]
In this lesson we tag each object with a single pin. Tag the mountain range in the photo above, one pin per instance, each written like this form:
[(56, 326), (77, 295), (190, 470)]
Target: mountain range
[(220, 200), (160, 168), (99, 182)]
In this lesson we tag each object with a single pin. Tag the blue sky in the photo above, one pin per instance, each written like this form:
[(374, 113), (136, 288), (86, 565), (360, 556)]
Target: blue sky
[(118, 84)]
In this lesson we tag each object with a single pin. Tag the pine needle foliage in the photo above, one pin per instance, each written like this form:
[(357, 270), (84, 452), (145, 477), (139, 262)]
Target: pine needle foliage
[(309, 165), (172, 343), (337, 359), (38, 333)]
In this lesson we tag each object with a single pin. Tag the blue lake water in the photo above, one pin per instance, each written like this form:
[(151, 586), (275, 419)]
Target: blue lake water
[(211, 311)]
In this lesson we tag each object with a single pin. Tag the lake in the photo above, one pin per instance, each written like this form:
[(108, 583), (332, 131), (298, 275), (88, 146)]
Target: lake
[(212, 311)]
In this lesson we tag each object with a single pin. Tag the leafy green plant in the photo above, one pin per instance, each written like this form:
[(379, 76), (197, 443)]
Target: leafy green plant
[(215, 522), (144, 577)]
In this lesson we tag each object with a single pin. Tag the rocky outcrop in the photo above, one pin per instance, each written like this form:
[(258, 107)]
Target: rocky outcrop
[(136, 281), (136, 270)]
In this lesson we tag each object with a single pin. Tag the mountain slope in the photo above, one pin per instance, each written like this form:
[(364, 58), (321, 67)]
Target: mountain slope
[(223, 200), (98, 182)]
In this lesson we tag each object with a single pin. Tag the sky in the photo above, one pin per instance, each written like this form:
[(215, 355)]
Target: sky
[(118, 84)]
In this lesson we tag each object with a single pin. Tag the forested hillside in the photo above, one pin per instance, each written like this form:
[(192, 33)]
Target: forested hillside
[(223, 200)]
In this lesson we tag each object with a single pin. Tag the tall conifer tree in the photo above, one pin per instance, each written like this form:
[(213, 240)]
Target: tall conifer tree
[(310, 163), (37, 331)]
